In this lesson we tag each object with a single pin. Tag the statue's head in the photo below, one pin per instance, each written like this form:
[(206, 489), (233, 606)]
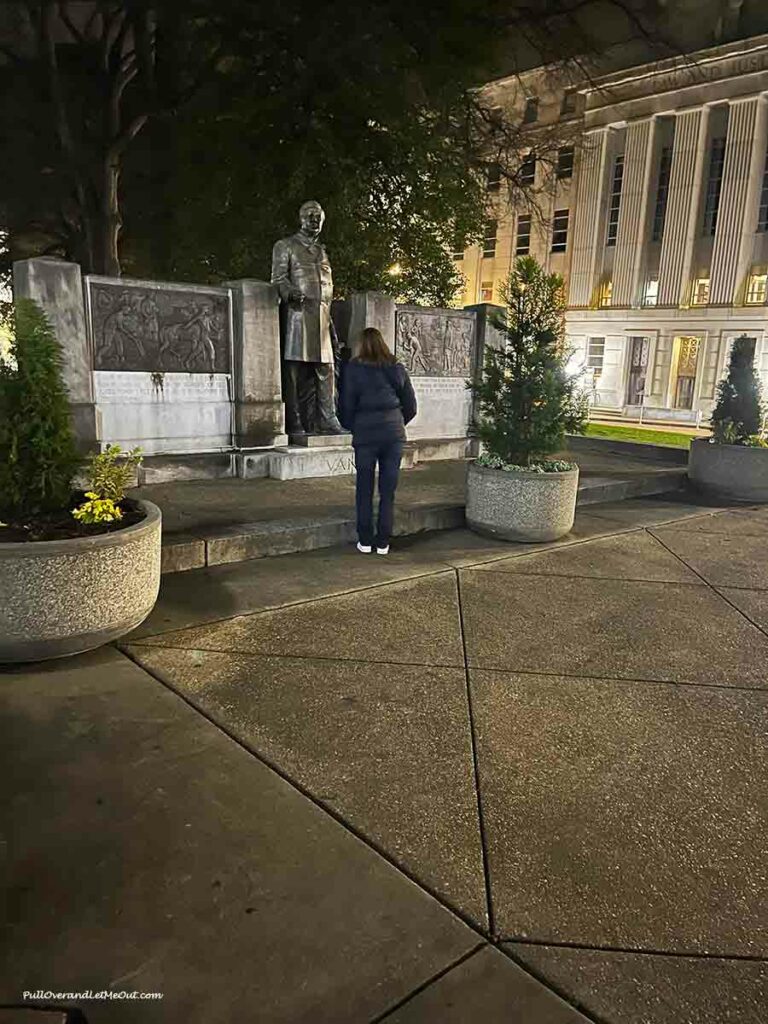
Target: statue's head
[(312, 217)]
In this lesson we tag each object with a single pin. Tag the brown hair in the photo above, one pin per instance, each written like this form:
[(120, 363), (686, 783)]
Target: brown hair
[(373, 349)]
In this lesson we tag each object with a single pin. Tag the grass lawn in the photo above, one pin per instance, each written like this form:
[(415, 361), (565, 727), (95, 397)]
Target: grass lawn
[(671, 438)]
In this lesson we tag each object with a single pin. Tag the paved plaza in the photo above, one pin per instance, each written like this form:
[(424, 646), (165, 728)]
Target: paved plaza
[(471, 781)]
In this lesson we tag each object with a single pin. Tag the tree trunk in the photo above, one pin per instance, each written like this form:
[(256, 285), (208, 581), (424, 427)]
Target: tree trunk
[(110, 221)]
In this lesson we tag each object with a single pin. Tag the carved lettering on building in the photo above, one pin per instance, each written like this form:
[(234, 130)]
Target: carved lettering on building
[(435, 343), (152, 328)]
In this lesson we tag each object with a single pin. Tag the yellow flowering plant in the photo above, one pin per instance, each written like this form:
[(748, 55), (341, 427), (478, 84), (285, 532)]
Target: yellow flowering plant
[(97, 510), (111, 472)]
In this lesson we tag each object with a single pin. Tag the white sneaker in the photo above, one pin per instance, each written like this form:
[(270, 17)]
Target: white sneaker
[(383, 551), (365, 548)]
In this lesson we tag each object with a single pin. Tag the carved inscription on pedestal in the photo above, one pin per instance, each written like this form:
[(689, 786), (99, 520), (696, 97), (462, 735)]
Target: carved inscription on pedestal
[(136, 326), (435, 342)]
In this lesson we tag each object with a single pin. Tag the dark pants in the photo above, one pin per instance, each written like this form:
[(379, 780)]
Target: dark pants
[(388, 456), (309, 396)]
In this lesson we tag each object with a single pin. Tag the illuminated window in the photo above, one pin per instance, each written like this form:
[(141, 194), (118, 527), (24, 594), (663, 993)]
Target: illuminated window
[(486, 291), (531, 113), (762, 213), (489, 239), (493, 182), (560, 231), (565, 163), (662, 194), (596, 355), (714, 182), (756, 289), (527, 173), (523, 239), (700, 295), (605, 294), (615, 201), (651, 296)]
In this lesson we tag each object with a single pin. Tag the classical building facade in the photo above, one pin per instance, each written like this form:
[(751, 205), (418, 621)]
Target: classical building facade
[(658, 221)]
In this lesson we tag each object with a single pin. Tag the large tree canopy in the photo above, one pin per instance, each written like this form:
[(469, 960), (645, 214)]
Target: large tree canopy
[(188, 133)]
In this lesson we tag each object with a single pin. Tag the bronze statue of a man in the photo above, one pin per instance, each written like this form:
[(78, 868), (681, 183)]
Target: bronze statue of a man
[(302, 273)]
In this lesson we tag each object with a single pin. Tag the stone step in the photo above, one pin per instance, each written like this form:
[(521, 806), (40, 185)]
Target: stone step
[(244, 541)]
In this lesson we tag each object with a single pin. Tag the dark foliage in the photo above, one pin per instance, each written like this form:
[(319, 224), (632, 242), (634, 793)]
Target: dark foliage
[(527, 400), (738, 412), (38, 458)]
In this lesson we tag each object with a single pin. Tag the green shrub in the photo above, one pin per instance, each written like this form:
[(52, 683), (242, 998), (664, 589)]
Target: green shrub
[(38, 457), (738, 412), (527, 401), (111, 472)]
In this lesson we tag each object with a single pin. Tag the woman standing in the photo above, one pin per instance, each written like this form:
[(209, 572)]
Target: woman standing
[(377, 400)]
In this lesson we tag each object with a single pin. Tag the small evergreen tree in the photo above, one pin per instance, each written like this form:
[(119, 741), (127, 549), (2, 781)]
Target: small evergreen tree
[(38, 457), (527, 400), (738, 412)]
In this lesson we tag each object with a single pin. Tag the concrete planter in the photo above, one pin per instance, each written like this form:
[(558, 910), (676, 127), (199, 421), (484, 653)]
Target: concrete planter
[(729, 470), (62, 597), (522, 506)]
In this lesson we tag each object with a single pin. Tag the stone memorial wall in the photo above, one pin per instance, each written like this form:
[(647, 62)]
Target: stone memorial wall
[(438, 347), (162, 357)]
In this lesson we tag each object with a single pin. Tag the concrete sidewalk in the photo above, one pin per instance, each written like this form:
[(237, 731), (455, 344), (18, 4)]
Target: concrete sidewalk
[(469, 782), (212, 522)]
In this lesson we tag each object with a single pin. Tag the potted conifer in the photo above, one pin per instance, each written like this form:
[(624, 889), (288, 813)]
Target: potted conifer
[(526, 404), (734, 462), (76, 569)]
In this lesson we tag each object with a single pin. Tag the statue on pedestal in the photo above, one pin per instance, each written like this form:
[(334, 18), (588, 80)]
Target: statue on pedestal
[(310, 347)]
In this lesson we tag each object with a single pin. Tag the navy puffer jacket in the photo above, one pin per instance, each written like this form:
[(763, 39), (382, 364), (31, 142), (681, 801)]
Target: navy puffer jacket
[(376, 402)]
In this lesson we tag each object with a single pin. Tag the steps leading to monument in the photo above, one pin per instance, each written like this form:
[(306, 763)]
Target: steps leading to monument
[(238, 543)]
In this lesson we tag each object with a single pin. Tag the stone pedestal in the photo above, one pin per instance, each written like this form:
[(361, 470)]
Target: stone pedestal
[(319, 440), (57, 287), (259, 412)]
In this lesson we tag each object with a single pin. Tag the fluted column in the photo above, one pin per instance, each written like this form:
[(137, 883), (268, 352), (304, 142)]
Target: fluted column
[(587, 219), (682, 205), (733, 198), (632, 213)]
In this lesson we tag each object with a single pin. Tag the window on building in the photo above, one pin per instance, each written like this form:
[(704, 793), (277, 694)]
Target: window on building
[(565, 162), (615, 201), (531, 112), (651, 296), (486, 291), (606, 290), (757, 286), (560, 231), (568, 104), (596, 356), (662, 194), (527, 174), (714, 183), (493, 181), (458, 254), (523, 238), (700, 294), (489, 239), (762, 213)]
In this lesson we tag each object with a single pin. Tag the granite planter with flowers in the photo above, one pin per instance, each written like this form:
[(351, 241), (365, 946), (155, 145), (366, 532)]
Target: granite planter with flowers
[(76, 569), (526, 403), (528, 505)]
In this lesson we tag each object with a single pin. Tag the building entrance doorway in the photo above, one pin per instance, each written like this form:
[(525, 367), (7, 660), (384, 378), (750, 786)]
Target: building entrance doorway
[(685, 365), (638, 369)]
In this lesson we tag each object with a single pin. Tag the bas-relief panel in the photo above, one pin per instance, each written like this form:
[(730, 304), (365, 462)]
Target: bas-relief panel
[(435, 343), (162, 329)]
